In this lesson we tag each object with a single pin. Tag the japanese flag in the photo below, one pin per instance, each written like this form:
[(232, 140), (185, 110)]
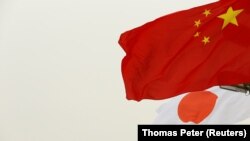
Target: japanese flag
[(213, 106)]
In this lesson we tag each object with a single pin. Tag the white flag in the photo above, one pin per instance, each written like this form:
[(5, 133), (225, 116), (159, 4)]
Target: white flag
[(213, 106)]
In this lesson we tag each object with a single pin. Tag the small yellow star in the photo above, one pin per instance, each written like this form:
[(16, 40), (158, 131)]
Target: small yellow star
[(206, 40), (230, 17), (207, 12), (197, 23), (197, 34)]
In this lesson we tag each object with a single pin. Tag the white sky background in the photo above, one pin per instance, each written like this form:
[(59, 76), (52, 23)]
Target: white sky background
[(60, 77)]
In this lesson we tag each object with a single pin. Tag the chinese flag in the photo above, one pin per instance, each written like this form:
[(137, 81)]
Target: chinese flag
[(186, 51)]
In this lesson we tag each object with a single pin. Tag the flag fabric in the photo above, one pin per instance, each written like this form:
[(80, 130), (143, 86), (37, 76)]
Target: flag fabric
[(213, 106), (186, 51)]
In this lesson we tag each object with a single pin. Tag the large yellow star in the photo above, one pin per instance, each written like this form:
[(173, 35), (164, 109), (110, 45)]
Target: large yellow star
[(230, 17)]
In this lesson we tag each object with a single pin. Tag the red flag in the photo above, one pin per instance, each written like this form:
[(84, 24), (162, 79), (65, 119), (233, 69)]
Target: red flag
[(187, 51)]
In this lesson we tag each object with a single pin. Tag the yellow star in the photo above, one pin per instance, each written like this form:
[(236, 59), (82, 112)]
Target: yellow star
[(197, 23), (197, 34), (230, 17), (206, 40), (207, 12)]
